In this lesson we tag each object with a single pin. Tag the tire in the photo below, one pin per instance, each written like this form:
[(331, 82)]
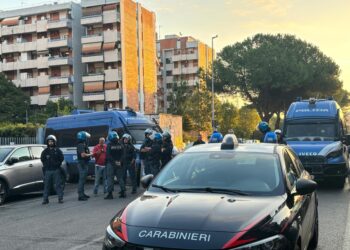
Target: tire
[(3, 192), (339, 182), (314, 239)]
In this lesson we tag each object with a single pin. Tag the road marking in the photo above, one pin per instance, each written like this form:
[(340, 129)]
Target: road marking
[(346, 241), (87, 244)]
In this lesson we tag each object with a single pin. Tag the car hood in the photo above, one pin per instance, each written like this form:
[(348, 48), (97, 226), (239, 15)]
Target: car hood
[(313, 148), (207, 220), (199, 211)]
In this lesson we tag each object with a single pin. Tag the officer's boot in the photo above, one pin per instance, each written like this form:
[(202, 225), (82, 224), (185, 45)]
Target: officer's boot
[(109, 196)]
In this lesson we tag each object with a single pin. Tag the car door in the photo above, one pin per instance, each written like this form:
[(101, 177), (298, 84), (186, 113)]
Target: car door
[(301, 202), (20, 172), (310, 202), (37, 170)]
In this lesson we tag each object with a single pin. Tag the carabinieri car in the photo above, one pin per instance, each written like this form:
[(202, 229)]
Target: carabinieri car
[(222, 196)]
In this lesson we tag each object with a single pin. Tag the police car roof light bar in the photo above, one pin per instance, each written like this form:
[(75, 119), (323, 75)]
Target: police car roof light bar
[(229, 142)]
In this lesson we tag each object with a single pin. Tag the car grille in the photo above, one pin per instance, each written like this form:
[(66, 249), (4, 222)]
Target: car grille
[(312, 159)]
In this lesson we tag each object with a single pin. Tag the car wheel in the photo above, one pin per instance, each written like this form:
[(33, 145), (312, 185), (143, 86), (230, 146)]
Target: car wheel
[(339, 182), (314, 239), (3, 192)]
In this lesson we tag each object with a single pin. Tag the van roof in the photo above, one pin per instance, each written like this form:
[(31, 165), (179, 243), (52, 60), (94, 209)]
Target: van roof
[(99, 118), (313, 108)]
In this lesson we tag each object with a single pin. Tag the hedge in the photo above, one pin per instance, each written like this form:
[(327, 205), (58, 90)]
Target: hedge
[(18, 129)]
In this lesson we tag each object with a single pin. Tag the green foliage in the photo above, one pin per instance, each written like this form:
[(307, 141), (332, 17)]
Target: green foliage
[(18, 130), (13, 101), (246, 123), (227, 117), (270, 71)]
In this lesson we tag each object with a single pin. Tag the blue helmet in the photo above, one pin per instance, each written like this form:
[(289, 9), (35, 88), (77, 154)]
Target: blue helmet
[(263, 127), (270, 137), (156, 136), (216, 137), (113, 136), (83, 136)]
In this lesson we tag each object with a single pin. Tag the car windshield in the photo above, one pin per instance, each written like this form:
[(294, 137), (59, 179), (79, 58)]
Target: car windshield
[(310, 132), (246, 173), (4, 152)]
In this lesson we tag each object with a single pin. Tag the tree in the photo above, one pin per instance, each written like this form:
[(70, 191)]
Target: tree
[(270, 71), (227, 117), (247, 122), (13, 102)]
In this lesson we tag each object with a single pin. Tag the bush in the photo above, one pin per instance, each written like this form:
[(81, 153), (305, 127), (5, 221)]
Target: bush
[(18, 130)]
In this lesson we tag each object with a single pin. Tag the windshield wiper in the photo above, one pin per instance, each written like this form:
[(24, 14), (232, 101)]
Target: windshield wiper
[(165, 188), (213, 190)]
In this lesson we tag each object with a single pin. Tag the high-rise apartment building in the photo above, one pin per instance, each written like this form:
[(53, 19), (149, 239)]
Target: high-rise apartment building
[(180, 59), (119, 55), (40, 51)]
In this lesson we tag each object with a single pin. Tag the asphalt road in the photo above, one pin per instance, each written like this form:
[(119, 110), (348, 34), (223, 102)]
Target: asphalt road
[(26, 224)]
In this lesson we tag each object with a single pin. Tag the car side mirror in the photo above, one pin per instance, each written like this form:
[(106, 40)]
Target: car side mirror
[(305, 186), (146, 180), (12, 160)]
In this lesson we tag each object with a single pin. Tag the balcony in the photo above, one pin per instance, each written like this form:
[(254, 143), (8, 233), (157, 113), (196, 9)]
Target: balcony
[(58, 61), (92, 58), (99, 96), (41, 26), (30, 64), (43, 62), (184, 57), (54, 80), (61, 23), (94, 77), (6, 30), (43, 81), (85, 20), (7, 66), (95, 38), (59, 42), (185, 71), (56, 98), (41, 44), (19, 47), (111, 16), (24, 83), (111, 36), (112, 75), (111, 56), (112, 95)]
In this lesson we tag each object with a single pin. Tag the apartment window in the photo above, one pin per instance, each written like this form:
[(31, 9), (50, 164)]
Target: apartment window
[(176, 65), (27, 20), (169, 73), (185, 64), (55, 90), (169, 85), (195, 63), (167, 61), (55, 16)]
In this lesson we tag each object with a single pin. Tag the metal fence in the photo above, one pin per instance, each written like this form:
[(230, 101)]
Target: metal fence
[(17, 140)]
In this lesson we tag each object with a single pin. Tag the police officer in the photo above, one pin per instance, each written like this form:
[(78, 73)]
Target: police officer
[(129, 157), (167, 148), (264, 128), (83, 154), (155, 152), (114, 165), (52, 158), (216, 137), (199, 140), (145, 147)]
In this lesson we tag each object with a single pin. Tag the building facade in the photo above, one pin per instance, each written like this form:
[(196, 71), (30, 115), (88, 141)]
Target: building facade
[(180, 60), (40, 51), (118, 55)]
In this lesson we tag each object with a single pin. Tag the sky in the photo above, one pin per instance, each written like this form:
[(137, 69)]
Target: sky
[(322, 23)]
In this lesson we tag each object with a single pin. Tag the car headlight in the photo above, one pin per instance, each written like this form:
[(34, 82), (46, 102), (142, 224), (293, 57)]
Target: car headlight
[(112, 239), (272, 243), (335, 154)]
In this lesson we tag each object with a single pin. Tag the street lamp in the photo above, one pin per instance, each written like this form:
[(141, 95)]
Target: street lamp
[(212, 82)]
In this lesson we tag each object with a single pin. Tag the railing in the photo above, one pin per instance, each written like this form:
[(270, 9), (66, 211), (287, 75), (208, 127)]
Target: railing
[(17, 140)]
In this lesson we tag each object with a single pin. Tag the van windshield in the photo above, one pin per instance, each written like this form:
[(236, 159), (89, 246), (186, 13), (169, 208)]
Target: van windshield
[(138, 133), (316, 131)]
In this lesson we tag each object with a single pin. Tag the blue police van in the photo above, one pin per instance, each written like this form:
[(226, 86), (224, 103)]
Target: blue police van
[(315, 129), (98, 124)]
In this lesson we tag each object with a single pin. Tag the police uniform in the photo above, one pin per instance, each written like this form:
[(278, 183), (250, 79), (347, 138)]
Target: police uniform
[(129, 156), (154, 156), (114, 167), (83, 168), (52, 158), (167, 151), (147, 143)]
